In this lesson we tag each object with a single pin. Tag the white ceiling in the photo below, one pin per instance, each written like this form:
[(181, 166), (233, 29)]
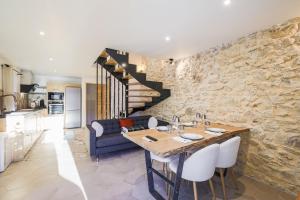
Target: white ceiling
[(77, 30)]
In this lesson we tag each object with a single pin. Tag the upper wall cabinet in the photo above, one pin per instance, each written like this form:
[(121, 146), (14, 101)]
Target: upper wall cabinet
[(11, 79)]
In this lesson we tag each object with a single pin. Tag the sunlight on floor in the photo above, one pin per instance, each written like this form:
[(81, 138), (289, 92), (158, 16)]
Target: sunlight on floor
[(65, 160)]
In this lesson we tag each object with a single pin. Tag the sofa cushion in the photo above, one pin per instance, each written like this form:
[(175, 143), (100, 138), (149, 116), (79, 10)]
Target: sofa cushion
[(110, 140), (141, 120), (136, 128), (110, 126), (126, 123)]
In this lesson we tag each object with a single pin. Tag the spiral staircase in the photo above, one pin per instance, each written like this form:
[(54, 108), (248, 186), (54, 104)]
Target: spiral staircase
[(139, 93)]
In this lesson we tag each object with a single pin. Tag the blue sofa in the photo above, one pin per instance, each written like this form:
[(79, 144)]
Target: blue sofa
[(112, 140)]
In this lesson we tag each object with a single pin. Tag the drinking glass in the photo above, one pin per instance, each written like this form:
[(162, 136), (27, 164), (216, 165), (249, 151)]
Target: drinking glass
[(169, 129), (206, 124), (175, 121), (198, 117), (180, 129)]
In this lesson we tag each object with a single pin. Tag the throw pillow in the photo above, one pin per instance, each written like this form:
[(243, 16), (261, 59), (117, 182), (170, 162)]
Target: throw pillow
[(136, 128), (126, 123), (152, 123)]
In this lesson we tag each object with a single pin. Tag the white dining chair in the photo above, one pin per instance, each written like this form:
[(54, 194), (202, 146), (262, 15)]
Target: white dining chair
[(199, 167), (227, 157), (152, 123)]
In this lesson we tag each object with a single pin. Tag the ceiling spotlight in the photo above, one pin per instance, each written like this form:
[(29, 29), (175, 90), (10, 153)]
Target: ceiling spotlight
[(227, 2), (50, 59), (42, 33), (167, 38)]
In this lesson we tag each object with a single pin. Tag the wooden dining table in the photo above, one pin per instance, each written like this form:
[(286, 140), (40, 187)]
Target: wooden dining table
[(166, 145)]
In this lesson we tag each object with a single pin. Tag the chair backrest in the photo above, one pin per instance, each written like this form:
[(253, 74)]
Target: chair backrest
[(152, 123), (228, 152), (200, 166)]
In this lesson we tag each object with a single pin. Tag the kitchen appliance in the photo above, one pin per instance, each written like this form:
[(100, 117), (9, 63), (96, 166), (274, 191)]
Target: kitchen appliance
[(6, 151), (73, 107), (28, 88), (56, 107), (42, 103), (54, 96)]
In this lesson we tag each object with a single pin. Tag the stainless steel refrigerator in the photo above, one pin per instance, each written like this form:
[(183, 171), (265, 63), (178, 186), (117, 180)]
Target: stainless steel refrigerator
[(72, 107)]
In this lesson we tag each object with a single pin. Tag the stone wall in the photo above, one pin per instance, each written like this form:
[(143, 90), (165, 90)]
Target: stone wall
[(253, 82)]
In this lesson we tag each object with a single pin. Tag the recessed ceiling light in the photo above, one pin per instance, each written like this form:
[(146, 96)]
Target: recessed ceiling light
[(42, 33), (50, 59), (54, 70), (167, 38), (227, 2)]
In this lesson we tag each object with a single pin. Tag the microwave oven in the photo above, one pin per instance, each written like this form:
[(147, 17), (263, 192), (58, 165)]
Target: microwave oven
[(55, 96)]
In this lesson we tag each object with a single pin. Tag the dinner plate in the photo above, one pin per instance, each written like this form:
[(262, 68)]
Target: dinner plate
[(191, 136), (188, 124), (162, 128), (217, 130)]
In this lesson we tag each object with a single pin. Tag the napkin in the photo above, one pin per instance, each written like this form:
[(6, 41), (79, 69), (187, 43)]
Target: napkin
[(180, 139), (213, 133)]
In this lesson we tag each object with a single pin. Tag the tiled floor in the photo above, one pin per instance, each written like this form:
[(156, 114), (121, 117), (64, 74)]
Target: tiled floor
[(58, 167)]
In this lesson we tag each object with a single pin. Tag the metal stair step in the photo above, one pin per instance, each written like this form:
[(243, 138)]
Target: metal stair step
[(141, 90), (136, 105), (103, 54), (143, 99), (140, 96), (135, 83), (138, 87), (110, 61), (137, 101)]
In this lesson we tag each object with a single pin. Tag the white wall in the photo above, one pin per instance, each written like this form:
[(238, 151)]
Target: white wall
[(43, 79)]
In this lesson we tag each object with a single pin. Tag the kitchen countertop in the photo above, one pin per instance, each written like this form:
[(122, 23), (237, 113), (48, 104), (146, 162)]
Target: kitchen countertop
[(23, 112)]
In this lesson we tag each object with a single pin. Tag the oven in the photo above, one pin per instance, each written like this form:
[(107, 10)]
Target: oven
[(55, 108), (55, 96)]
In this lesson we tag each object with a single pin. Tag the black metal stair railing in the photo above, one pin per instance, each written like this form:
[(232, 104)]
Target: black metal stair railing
[(112, 99)]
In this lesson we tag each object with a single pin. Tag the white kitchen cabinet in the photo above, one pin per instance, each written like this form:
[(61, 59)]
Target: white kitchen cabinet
[(11, 80), (6, 150), (27, 127)]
